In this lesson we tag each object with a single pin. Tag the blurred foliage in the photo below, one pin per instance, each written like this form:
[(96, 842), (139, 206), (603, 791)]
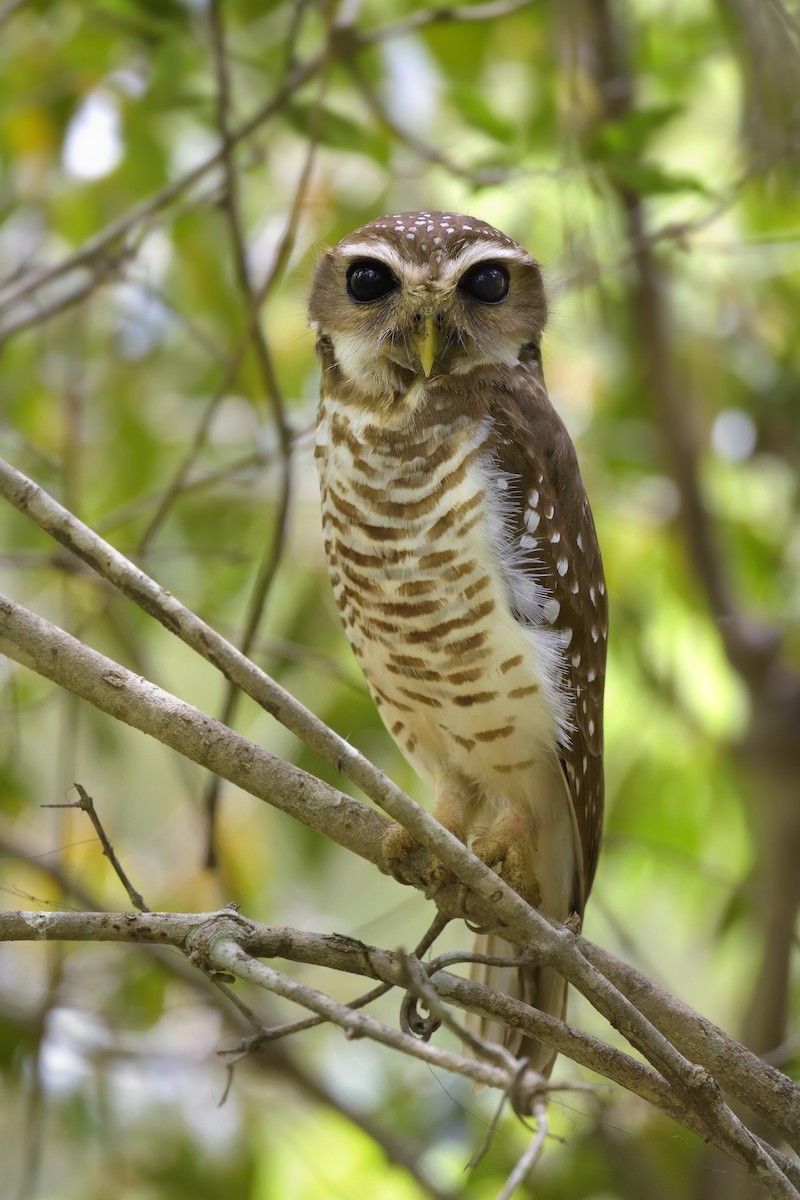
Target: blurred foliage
[(108, 1061)]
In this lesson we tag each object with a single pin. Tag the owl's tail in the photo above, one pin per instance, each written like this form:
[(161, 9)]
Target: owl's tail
[(540, 987)]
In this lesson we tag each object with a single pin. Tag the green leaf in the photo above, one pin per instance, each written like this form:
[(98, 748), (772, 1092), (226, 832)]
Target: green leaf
[(475, 108), (338, 131), (630, 136), (647, 179)]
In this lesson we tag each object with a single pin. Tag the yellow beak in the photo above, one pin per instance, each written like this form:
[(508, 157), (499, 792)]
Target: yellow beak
[(429, 345)]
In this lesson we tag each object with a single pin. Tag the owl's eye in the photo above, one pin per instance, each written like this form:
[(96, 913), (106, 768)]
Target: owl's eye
[(486, 281), (369, 279)]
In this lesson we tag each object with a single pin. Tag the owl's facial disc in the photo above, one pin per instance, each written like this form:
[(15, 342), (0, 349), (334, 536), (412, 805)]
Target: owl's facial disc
[(424, 297), (426, 320)]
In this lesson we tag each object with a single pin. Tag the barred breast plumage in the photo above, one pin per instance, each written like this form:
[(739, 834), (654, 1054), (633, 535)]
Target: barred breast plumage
[(463, 556)]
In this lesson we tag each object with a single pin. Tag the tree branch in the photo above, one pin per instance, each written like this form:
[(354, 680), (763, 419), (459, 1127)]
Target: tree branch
[(496, 905), (95, 247), (48, 650), (63, 659), (340, 953)]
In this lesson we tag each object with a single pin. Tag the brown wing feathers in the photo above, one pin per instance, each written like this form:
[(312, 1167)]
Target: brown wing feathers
[(533, 444)]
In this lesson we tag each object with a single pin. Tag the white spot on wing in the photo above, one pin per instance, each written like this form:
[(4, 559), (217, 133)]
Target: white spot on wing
[(529, 597)]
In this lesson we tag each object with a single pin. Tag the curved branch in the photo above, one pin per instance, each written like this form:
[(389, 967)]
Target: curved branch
[(55, 654), (31, 500), (340, 953), (48, 650), (94, 249)]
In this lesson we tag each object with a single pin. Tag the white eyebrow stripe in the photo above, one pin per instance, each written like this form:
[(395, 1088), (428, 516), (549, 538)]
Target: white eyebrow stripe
[(381, 253), (484, 251)]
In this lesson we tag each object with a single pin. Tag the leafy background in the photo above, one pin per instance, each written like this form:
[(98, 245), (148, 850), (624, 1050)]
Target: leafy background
[(124, 391)]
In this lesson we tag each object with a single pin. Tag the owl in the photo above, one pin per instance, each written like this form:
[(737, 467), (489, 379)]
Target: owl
[(464, 559)]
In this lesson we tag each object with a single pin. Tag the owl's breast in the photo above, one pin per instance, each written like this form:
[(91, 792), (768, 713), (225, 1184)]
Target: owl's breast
[(414, 526)]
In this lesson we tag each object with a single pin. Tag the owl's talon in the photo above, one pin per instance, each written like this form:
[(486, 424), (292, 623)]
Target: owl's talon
[(464, 894), (510, 859), (398, 848), (478, 929), (440, 877)]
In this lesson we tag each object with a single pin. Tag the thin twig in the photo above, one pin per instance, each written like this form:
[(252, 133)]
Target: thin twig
[(505, 907), (226, 954), (106, 269), (281, 1031), (27, 639), (86, 804), (254, 297), (531, 1156), (16, 290), (340, 953)]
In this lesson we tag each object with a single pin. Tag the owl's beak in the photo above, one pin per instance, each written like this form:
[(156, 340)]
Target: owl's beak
[(430, 343)]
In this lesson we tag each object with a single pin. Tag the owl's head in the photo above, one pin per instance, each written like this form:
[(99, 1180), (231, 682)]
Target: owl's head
[(425, 295)]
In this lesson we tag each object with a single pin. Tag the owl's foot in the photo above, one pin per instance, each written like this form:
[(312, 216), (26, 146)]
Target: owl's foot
[(400, 848), (510, 858)]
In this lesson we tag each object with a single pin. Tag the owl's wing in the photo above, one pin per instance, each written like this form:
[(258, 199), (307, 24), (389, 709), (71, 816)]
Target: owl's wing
[(551, 535)]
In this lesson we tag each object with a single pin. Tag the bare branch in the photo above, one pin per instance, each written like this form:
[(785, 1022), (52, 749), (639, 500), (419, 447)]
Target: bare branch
[(57, 656), (95, 247), (495, 903), (242, 1019), (132, 582), (86, 804), (774, 1097), (271, 1035), (60, 657), (337, 952), (531, 1156)]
